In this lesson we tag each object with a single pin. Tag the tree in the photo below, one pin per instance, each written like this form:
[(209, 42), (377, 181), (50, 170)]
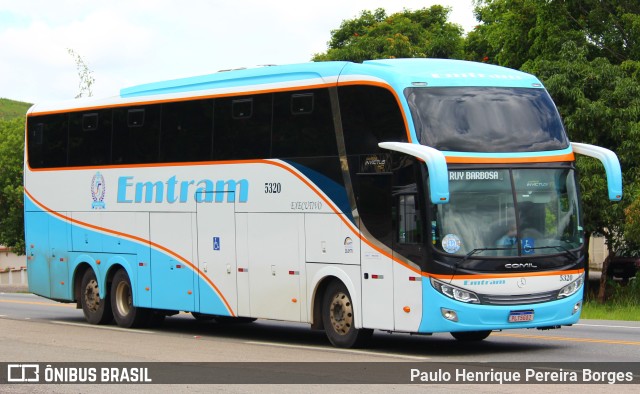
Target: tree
[(515, 31), (407, 34), (84, 74), (11, 191)]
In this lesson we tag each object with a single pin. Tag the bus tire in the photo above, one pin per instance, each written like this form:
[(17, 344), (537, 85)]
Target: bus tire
[(471, 336), (339, 320), (124, 312), (95, 309)]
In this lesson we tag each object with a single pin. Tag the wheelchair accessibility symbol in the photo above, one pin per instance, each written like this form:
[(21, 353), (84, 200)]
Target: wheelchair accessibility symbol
[(216, 243), (528, 246)]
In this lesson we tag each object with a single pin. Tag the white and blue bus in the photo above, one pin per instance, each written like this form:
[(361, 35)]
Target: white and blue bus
[(403, 195)]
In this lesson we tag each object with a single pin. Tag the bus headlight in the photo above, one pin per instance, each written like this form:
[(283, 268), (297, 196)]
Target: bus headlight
[(454, 292), (572, 287)]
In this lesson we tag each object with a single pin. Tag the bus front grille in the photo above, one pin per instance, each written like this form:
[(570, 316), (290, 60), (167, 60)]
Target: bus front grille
[(489, 299)]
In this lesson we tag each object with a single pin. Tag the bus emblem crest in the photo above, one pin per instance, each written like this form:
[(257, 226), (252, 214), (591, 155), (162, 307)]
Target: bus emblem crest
[(97, 191)]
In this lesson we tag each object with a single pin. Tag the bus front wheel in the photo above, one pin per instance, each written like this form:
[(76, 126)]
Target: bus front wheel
[(124, 312), (338, 318), (96, 310), (470, 336)]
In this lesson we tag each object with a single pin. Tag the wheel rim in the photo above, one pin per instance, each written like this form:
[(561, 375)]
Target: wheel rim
[(92, 296), (341, 313), (123, 298)]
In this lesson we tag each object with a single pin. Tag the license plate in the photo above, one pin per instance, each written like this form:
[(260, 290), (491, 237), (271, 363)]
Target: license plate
[(520, 316)]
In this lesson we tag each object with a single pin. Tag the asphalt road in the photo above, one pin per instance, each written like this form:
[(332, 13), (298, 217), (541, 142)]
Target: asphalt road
[(33, 329)]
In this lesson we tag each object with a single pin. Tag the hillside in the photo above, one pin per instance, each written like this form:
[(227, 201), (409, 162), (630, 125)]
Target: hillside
[(12, 109)]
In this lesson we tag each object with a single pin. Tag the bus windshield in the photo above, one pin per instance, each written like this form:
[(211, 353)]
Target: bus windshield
[(486, 119), (503, 212)]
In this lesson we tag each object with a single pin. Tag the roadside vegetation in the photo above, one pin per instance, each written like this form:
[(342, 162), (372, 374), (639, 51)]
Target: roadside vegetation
[(10, 109), (623, 302)]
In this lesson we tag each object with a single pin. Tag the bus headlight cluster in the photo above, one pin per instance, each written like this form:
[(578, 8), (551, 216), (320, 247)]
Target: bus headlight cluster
[(572, 287), (454, 292)]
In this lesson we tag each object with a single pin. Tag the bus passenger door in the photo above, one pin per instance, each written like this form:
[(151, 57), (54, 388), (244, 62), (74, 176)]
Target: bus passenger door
[(408, 243), (217, 254), (374, 207)]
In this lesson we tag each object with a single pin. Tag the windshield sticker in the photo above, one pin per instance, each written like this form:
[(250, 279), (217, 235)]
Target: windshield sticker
[(475, 176), (528, 246), (451, 243)]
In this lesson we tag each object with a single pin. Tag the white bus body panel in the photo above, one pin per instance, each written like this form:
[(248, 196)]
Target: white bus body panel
[(276, 264)]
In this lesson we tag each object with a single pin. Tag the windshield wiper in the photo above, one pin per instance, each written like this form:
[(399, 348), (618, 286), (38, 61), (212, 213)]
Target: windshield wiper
[(562, 249), (474, 251)]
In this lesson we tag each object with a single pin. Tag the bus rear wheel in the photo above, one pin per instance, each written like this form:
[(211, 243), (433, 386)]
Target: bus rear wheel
[(471, 336), (338, 318), (124, 312), (96, 310)]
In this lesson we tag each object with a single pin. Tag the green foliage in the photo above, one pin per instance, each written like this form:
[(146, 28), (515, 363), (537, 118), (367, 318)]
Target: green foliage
[(86, 79), (11, 109), (513, 32), (623, 302), (600, 103), (11, 191), (407, 34)]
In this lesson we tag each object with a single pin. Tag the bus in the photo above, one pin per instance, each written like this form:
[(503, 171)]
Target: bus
[(402, 195)]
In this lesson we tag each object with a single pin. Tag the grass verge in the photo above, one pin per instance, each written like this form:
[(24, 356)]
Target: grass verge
[(623, 303)]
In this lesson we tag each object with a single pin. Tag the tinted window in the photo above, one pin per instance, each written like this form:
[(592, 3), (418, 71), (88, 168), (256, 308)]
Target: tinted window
[(187, 131), (136, 134), (47, 140), (90, 138), (242, 127), (486, 119), (303, 125), (370, 115)]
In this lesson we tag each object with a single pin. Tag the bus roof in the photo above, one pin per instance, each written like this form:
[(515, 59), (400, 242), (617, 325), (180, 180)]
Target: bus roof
[(398, 73), (423, 72)]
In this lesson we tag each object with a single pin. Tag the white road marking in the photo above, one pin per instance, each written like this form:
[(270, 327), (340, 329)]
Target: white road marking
[(352, 351), (64, 323), (606, 326)]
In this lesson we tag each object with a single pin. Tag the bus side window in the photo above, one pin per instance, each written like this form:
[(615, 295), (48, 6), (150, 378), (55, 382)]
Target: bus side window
[(242, 127), (136, 134), (90, 138), (47, 140), (370, 115), (187, 131), (303, 125)]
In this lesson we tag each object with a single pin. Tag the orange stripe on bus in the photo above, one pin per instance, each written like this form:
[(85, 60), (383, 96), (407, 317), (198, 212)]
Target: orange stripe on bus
[(179, 99), (509, 160)]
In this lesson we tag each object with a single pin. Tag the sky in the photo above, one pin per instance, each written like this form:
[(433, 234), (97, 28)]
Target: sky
[(131, 42)]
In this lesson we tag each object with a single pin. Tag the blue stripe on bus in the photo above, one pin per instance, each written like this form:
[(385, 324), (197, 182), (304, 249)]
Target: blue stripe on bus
[(473, 317), (170, 287), (236, 78)]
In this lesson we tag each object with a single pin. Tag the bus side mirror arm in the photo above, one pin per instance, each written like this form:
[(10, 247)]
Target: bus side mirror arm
[(611, 166), (436, 164)]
